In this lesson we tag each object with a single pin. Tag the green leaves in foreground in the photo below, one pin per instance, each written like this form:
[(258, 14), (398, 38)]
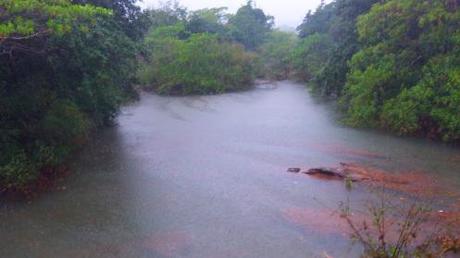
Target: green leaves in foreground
[(22, 18)]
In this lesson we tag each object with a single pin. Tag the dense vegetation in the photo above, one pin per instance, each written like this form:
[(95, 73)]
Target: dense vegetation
[(328, 41), (204, 51), (394, 64), (66, 66), (275, 55), (64, 69)]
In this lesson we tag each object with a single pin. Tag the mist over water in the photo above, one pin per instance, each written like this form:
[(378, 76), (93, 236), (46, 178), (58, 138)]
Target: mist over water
[(206, 177)]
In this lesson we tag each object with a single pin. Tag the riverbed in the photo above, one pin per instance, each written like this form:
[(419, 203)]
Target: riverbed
[(205, 176)]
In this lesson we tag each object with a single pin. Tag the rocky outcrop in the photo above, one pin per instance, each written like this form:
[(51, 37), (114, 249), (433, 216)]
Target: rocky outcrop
[(345, 171), (413, 182), (356, 173), (327, 172)]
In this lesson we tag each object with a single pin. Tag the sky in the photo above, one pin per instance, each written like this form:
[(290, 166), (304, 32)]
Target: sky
[(287, 13)]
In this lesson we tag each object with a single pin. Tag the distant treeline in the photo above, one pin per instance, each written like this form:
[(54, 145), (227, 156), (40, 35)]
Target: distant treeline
[(211, 51), (66, 66), (393, 64)]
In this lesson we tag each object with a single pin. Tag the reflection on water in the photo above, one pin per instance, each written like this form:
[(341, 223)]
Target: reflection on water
[(205, 177)]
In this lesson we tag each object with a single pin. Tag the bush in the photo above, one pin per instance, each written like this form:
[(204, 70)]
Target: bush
[(200, 64), (64, 122), (65, 68), (17, 172), (308, 56), (405, 77), (399, 228)]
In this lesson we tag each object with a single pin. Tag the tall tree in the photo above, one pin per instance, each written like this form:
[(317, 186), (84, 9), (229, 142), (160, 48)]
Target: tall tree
[(337, 21), (127, 14), (208, 20), (64, 69), (250, 26)]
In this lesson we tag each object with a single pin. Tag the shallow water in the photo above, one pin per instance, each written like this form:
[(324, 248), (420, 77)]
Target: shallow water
[(206, 177)]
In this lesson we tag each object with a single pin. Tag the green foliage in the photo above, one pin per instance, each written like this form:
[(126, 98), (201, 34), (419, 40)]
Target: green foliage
[(127, 14), (200, 64), (392, 63), (308, 56), (205, 51), (208, 21), (19, 170), (336, 21), (21, 18), (276, 55), (170, 13), (392, 228), (431, 106), (64, 69), (99, 69), (406, 76), (250, 26), (166, 32), (318, 22), (64, 121)]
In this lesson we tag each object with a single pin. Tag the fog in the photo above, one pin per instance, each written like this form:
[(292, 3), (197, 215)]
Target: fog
[(287, 13)]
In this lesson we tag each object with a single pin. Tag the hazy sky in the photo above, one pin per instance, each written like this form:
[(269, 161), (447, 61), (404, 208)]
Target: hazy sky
[(287, 12)]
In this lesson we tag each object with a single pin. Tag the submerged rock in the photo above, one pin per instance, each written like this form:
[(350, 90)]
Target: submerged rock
[(415, 183), (345, 171), (326, 172), (294, 170)]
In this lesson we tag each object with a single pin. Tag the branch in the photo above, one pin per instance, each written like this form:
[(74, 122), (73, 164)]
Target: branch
[(37, 34)]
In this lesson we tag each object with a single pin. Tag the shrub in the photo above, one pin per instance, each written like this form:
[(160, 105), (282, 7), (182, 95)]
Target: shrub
[(17, 172), (201, 64), (64, 122)]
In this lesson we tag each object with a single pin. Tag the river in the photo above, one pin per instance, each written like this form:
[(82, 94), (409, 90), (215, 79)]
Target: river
[(205, 176)]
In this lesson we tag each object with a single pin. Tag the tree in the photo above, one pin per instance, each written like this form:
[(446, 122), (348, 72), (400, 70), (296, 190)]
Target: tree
[(318, 22), (405, 77), (26, 23), (250, 26), (126, 13), (199, 64), (64, 69), (170, 13), (276, 55), (338, 21), (208, 21), (309, 56)]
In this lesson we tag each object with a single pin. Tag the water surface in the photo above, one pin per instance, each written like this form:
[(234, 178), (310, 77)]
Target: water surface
[(206, 177)]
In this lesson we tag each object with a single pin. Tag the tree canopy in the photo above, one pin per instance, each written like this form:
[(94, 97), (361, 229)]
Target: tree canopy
[(207, 51), (64, 70), (394, 64), (250, 26)]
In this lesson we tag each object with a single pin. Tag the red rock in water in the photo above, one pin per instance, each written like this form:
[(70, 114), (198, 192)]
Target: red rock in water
[(326, 173), (409, 182), (345, 171)]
